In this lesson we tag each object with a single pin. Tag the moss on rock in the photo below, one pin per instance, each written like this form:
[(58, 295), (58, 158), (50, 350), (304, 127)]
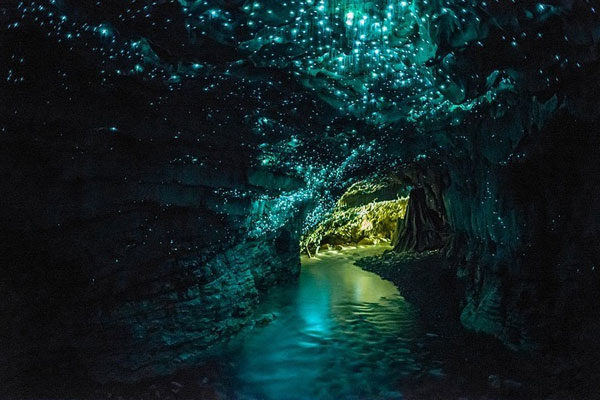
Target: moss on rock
[(365, 224)]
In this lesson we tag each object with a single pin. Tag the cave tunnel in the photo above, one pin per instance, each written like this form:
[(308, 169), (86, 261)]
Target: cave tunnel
[(315, 199)]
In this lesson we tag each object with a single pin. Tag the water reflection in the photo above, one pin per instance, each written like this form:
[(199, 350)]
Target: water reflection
[(341, 333)]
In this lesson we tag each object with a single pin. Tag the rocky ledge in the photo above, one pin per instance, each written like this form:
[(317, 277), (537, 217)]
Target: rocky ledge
[(477, 366)]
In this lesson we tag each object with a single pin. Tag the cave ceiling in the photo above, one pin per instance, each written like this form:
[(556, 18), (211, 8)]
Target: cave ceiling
[(324, 91)]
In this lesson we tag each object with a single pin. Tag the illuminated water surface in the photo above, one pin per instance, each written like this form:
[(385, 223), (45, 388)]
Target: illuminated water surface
[(340, 333)]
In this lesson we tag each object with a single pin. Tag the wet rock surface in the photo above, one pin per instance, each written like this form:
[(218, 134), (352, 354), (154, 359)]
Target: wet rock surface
[(477, 366)]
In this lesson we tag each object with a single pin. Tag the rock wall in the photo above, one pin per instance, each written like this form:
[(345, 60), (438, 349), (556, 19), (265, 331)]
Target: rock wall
[(518, 189), (124, 239), (122, 261), (513, 161), (133, 281), (523, 240)]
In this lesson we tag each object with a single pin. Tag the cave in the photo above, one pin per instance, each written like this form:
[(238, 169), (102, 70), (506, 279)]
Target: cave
[(315, 199)]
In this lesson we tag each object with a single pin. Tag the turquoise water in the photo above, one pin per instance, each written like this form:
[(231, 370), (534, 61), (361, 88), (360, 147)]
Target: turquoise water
[(339, 333)]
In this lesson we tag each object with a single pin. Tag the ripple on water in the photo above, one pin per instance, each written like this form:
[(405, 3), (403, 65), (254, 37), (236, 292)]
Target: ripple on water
[(343, 333)]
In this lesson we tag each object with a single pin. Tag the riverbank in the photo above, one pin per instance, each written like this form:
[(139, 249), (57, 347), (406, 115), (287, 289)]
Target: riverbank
[(343, 328), (477, 367)]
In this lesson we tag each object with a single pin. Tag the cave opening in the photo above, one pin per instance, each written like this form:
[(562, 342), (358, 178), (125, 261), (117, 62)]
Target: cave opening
[(367, 213), (402, 211)]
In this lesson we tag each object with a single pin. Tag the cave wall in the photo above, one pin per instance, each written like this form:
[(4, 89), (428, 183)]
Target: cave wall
[(517, 167), (518, 190), (486, 228), (523, 219), (127, 263), (125, 241)]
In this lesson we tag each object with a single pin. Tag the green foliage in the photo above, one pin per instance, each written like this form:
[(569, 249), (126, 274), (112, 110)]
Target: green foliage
[(369, 223)]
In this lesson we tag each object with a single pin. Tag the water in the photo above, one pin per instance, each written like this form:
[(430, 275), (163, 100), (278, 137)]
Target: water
[(340, 333)]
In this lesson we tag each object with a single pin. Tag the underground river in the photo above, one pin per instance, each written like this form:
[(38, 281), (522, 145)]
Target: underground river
[(339, 332)]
